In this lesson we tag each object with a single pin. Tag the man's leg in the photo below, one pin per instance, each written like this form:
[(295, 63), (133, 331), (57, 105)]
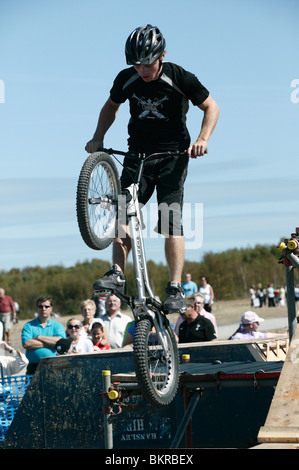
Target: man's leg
[(114, 278), (175, 256), (170, 195), (6, 327), (121, 249)]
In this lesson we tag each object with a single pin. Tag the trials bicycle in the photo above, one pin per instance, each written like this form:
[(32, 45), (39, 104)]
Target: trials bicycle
[(156, 357)]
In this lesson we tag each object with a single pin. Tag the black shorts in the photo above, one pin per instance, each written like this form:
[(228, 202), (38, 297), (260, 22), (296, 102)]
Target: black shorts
[(167, 175)]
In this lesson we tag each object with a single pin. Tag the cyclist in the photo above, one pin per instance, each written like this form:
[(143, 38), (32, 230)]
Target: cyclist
[(158, 93)]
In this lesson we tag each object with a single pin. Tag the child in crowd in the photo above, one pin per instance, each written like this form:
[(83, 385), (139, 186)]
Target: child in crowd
[(97, 335), (248, 328)]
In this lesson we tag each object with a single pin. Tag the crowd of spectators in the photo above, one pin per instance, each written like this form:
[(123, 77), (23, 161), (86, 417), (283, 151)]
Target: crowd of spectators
[(107, 327), (270, 296)]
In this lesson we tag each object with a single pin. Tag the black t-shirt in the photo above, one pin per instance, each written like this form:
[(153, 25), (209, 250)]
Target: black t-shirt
[(201, 329), (158, 108)]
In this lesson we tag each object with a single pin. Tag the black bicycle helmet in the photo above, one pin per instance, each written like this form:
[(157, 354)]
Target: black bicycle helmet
[(144, 45)]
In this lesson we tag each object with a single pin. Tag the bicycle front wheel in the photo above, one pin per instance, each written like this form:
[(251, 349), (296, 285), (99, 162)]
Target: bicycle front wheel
[(157, 370), (97, 192)]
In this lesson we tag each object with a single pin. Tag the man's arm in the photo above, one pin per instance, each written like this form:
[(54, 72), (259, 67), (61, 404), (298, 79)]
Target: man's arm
[(211, 113), (31, 342), (106, 119), (209, 330), (41, 342)]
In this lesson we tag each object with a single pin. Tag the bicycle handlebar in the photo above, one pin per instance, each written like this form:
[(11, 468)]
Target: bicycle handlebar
[(153, 155)]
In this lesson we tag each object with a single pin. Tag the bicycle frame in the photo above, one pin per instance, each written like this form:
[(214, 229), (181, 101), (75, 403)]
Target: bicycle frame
[(139, 261), (138, 252)]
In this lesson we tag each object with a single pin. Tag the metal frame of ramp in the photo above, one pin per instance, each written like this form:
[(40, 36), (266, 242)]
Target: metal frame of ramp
[(281, 429), (196, 379)]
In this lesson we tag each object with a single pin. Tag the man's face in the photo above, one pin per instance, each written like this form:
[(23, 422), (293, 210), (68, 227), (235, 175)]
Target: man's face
[(44, 310), (149, 72), (190, 314), (112, 304)]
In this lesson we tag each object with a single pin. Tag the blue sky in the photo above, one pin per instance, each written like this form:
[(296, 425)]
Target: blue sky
[(58, 59)]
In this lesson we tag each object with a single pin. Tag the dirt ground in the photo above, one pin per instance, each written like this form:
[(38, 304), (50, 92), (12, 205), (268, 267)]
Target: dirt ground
[(226, 312)]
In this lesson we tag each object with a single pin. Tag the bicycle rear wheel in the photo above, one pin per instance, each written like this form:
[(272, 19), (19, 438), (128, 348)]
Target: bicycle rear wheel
[(157, 372), (97, 193)]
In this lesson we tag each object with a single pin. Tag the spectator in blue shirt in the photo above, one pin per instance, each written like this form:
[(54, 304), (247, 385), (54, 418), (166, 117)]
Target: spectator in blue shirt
[(39, 336), (189, 286)]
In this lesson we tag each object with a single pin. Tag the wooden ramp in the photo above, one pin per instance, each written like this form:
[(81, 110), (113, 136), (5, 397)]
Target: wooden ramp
[(281, 429), (63, 405)]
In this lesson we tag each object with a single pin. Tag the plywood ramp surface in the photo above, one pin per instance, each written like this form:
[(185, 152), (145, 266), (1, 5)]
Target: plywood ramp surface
[(282, 423)]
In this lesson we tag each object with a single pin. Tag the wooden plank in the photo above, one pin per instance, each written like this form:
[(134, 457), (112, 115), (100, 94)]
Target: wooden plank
[(124, 377), (278, 434), (276, 446), (282, 422)]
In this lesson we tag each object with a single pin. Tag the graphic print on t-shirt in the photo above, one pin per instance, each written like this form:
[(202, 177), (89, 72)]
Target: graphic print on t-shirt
[(150, 108)]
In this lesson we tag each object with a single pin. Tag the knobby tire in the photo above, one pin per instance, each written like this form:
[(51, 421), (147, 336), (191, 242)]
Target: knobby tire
[(158, 379), (97, 223)]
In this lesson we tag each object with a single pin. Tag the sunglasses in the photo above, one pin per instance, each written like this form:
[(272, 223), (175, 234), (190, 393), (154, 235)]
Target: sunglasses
[(44, 306), (73, 326)]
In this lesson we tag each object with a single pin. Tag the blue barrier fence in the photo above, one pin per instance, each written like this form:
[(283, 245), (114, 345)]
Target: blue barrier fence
[(12, 390)]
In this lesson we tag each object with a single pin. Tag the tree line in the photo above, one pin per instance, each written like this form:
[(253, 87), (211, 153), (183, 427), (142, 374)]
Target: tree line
[(231, 273)]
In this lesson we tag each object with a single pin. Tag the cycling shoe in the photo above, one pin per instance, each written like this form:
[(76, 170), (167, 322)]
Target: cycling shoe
[(114, 279)]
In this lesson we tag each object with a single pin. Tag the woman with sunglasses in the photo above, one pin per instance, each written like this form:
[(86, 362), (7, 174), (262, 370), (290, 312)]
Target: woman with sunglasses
[(80, 344)]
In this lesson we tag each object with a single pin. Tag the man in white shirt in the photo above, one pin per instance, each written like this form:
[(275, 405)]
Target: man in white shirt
[(115, 322), (11, 361)]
